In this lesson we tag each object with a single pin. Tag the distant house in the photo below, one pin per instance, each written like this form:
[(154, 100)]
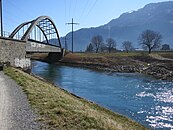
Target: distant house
[(139, 49), (106, 49), (165, 47)]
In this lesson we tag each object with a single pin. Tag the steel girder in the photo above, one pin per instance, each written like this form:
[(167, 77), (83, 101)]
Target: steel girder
[(44, 23)]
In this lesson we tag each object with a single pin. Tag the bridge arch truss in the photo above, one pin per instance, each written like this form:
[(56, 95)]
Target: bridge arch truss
[(42, 30)]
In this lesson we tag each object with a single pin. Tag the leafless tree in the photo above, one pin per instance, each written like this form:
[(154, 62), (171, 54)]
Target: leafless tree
[(150, 39), (127, 45), (97, 41), (111, 43), (103, 47)]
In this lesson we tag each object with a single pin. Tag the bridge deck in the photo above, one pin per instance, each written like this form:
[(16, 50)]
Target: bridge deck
[(33, 46)]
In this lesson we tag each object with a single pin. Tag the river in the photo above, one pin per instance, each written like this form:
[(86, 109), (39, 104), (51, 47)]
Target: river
[(141, 98)]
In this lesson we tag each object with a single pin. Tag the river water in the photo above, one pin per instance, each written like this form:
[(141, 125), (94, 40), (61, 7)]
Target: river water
[(143, 99)]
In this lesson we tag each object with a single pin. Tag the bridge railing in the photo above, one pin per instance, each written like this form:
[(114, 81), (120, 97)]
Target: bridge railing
[(7, 34)]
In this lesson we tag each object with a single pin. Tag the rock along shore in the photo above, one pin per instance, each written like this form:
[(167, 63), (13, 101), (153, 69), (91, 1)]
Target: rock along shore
[(158, 71)]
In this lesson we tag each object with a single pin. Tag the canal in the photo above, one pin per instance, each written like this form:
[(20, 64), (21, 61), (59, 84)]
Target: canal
[(143, 99)]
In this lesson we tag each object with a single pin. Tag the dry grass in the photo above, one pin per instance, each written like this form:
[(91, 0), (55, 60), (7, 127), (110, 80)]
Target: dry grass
[(168, 54), (106, 59), (58, 109), (118, 58)]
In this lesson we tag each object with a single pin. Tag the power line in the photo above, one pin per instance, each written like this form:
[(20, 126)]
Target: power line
[(72, 23), (74, 9), (82, 12), (92, 7), (87, 5)]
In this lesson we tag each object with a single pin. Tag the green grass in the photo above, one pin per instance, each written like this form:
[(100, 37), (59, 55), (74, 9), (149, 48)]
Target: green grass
[(58, 109)]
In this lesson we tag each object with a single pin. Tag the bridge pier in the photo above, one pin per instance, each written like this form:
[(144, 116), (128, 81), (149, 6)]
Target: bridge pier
[(55, 56)]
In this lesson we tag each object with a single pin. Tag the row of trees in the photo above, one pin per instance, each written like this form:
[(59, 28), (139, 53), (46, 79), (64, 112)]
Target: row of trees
[(148, 39), (98, 45)]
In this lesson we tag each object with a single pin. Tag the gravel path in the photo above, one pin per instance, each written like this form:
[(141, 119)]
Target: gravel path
[(15, 112), (158, 57)]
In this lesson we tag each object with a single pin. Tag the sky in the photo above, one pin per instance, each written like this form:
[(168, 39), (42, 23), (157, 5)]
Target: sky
[(88, 13)]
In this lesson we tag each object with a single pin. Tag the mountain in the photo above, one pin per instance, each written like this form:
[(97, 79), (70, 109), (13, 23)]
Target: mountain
[(154, 16)]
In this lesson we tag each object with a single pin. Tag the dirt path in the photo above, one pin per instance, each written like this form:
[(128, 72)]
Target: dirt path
[(158, 57), (15, 112)]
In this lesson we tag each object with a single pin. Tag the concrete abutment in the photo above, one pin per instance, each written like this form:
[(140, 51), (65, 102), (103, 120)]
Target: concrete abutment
[(13, 52), (17, 52)]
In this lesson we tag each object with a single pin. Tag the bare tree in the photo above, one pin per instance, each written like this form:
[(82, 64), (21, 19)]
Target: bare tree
[(127, 45), (97, 41), (111, 43), (150, 39), (102, 47)]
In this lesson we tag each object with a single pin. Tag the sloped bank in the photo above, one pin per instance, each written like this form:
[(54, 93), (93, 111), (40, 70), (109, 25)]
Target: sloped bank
[(59, 109), (118, 62)]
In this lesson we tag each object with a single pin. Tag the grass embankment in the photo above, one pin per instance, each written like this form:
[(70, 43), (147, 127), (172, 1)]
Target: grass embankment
[(115, 62), (103, 58), (157, 64), (58, 109), (121, 58)]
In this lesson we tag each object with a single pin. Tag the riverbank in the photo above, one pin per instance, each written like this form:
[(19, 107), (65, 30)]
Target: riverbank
[(58, 109), (158, 65), (15, 111)]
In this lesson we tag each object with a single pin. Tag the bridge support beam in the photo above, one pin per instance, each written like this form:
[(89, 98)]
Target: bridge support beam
[(55, 56)]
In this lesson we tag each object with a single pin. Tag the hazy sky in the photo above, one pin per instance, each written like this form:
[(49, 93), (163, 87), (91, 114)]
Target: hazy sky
[(89, 13)]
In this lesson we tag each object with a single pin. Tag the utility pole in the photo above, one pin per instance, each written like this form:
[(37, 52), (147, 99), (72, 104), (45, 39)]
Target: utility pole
[(72, 23), (1, 18)]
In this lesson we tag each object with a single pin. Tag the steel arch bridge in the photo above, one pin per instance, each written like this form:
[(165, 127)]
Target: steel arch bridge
[(39, 36), (41, 30)]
